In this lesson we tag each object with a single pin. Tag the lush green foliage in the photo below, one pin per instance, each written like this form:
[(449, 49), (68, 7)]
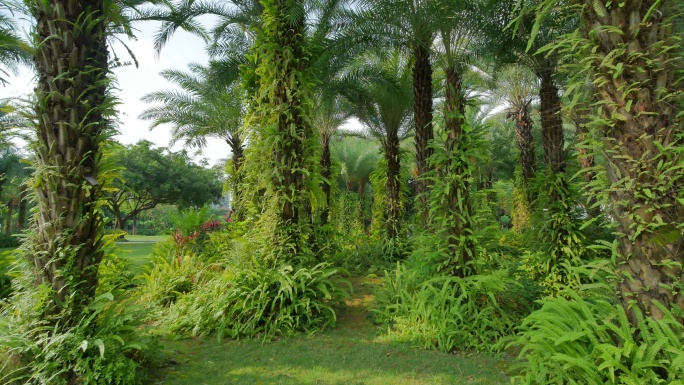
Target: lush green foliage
[(450, 313), (577, 340), (259, 301)]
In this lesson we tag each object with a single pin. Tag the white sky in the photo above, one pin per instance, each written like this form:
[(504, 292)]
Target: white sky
[(183, 48)]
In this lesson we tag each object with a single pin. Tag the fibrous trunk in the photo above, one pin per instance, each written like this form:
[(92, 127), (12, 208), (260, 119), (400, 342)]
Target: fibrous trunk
[(642, 129), (422, 113), (65, 244), (326, 173), (551, 123), (523, 133), (393, 185), (238, 160)]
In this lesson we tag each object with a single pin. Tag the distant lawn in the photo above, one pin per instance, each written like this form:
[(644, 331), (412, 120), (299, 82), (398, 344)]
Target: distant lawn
[(137, 249)]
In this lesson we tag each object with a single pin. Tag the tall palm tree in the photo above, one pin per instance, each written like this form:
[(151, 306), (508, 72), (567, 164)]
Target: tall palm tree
[(634, 60), (206, 107), (518, 86), (411, 25), (384, 107)]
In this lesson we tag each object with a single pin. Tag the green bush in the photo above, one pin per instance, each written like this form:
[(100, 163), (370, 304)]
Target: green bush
[(170, 277), (8, 240), (362, 257), (103, 347), (6, 263), (260, 300), (449, 313), (575, 340)]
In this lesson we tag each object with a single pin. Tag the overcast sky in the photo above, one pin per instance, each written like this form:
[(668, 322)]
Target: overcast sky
[(135, 82)]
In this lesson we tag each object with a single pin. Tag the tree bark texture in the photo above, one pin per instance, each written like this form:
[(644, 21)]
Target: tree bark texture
[(422, 113), (71, 62), (393, 185), (238, 160), (551, 122), (326, 173), (641, 132), (520, 113)]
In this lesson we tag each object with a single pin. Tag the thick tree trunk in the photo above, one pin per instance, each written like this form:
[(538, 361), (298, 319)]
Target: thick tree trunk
[(23, 196), (422, 113), (326, 173), (393, 186), (285, 130), (642, 138), (523, 133), (66, 244), (238, 160), (459, 226), (551, 123)]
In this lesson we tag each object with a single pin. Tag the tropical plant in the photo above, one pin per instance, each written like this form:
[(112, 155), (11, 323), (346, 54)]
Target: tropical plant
[(384, 109)]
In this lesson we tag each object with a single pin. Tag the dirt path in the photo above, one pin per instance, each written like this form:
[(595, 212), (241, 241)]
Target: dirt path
[(356, 314)]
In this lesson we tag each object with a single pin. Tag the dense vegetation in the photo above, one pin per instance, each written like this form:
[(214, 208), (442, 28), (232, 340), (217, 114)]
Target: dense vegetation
[(516, 176)]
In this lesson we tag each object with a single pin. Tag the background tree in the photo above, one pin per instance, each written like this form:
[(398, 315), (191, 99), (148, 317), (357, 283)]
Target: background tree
[(151, 176), (204, 108)]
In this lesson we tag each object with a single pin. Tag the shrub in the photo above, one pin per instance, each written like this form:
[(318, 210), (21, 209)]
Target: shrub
[(261, 301), (6, 274), (8, 240), (575, 340), (362, 257), (170, 277), (447, 312)]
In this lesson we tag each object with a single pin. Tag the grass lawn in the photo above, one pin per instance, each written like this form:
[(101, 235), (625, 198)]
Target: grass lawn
[(137, 249), (350, 354)]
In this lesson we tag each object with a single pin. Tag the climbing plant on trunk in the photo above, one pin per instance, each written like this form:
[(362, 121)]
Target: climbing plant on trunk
[(284, 152), (631, 53)]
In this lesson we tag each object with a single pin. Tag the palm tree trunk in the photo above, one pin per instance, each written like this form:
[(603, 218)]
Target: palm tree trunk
[(523, 134), (393, 213), (326, 173), (23, 193), (285, 130), (551, 123), (66, 243), (459, 228), (642, 145), (422, 112), (238, 160)]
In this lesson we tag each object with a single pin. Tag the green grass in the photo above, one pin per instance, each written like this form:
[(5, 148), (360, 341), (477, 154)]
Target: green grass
[(137, 249), (337, 357), (350, 354)]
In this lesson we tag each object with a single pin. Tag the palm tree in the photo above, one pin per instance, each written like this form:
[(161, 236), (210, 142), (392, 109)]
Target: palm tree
[(384, 107), (411, 25), (635, 60), (519, 87), (13, 50), (206, 107), (357, 159)]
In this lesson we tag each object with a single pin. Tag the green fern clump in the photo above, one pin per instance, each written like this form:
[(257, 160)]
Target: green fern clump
[(572, 340), (446, 312), (260, 301)]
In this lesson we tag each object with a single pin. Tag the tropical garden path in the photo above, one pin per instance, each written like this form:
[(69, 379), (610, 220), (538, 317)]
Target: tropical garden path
[(351, 354)]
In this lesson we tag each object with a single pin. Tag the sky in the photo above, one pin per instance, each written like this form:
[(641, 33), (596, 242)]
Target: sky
[(133, 83)]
